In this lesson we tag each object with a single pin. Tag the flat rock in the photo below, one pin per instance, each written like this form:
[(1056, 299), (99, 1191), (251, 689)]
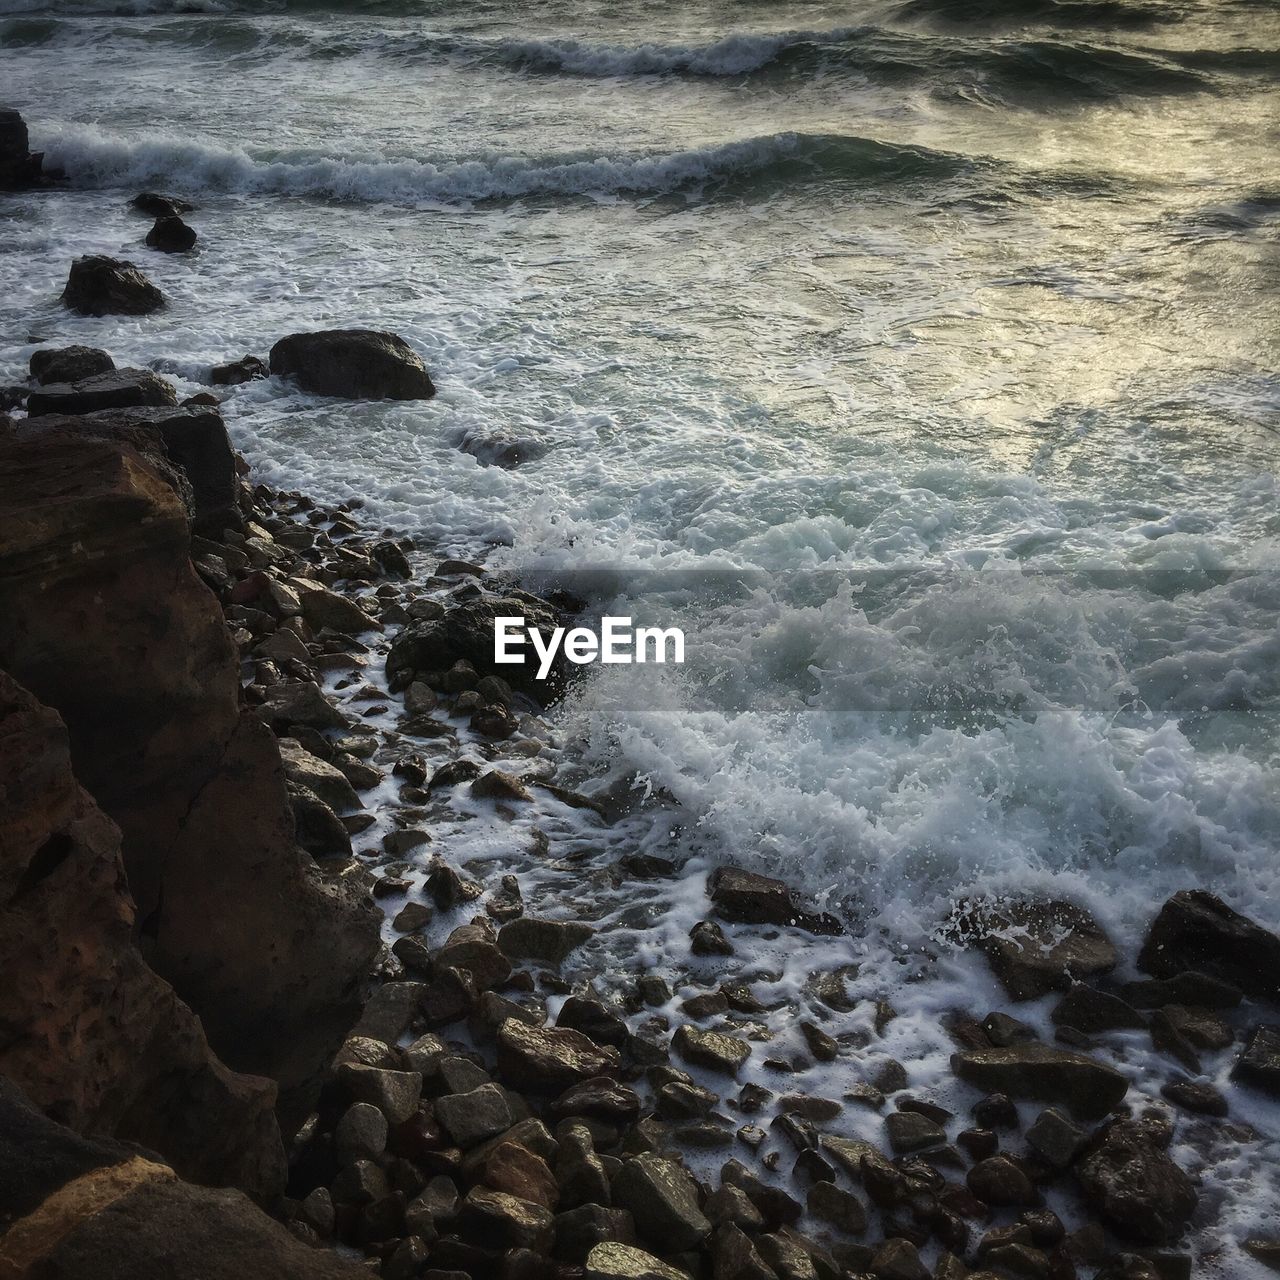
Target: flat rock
[(1088, 1087), (472, 1118), (612, 1261), (68, 364), (747, 898), (114, 389), (502, 1221), (102, 286), (550, 941), (357, 364), (549, 1058), (711, 1049)]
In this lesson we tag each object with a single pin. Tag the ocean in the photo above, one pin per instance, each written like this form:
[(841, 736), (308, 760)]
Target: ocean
[(918, 358)]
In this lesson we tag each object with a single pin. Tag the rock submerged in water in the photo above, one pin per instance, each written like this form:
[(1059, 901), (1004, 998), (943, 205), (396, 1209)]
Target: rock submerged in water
[(102, 286), (357, 364), (69, 364), (158, 206), (171, 235), (114, 389), (236, 372), (1088, 1087)]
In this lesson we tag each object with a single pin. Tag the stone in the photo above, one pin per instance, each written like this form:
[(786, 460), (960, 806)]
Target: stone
[(101, 286), (1088, 1087), (471, 1118), (1266, 1251), (999, 1181), (516, 1170), (594, 1019), (1197, 931), (662, 1198), (170, 234), (1183, 988), (323, 608), (549, 941), (599, 1099), (299, 703), (160, 206), (1259, 1064), (707, 939), (356, 364), (316, 827), (1133, 1183), (1092, 1011), (506, 903), (394, 1093), (321, 779), (494, 784), (837, 1207), (549, 1058), (1055, 1139), (389, 1011), (1038, 947), (471, 947), (1196, 1097), (115, 389), (823, 1046), (19, 166), (785, 1257), (909, 1132), (448, 889), (747, 898), (898, 1259), (579, 1230), (501, 1221), (412, 917), (236, 372), (613, 1261), (734, 1257), (361, 1134), (68, 364), (450, 994), (711, 1049)]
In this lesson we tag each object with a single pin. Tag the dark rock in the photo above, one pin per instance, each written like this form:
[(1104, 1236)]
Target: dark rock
[(1259, 1064), (358, 364), (579, 1230), (841, 1209), (323, 608), (471, 1118), (101, 286), (449, 996), (115, 389), (361, 1134), (1092, 1011), (501, 1221), (549, 1058), (448, 889), (613, 1261), (599, 1099), (734, 1257), (909, 1132), (996, 1111), (158, 206), (1038, 947), (1088, 1087), (394, 1093), (550, 941), (19, 166), (171, 235), (999, 1181), (316, 827), (1183, 988), (321, 779), (493, 784), (1131, 1181), (823, 1046), (1055, 1139), (1002, 1030), (1198, 931), (662, 1198), (68, 364), (594, 1019), (1196, 1097), (232, 374), (471, 947), (711, 1049), (517, 1171), (707, 939), (746, 898), (898, 1259)]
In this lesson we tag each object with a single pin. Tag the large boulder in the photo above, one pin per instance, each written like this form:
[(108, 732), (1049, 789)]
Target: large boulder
[(1037, 947), (358, 364), (103, 617), (68, 364), (102, 286), (465, 634), (19, 165), (91, 1033), (74, 1208), (193, 439), (114, 389), (1197, 931)]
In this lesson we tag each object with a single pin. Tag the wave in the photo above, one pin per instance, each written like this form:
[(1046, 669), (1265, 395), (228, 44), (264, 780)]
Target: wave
[(89, 159), (1099, 13)]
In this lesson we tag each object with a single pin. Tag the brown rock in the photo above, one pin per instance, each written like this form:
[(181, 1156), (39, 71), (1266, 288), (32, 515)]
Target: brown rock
[(101, 286), (1088, 1087), (358, 364), (747, 898), (68, 364), (549, 1058)]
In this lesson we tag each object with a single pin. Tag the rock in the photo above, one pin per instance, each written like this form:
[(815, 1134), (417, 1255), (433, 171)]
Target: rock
[(1263, 1250), (235, 372), (19, 166), (1038, 947), (1196, 1097), (707, 939), (549, 941), (579, 1230), (361, 1134), (316, 827), (471, 1118), (1259, 1064), (299, 703), (1131, 1181), (1198, 931), (599, 1099), (1092, 1011), (819, 1043), (389, 1011), (514, 1169), (580, 1174), (1183, 988), (324, 608), (171, 235), (909, 1132), (465, 634), (898, 1259), (746, 898), (321, 779), (999, 1181), (101, 286), (94, 571), (1055, 1139), (501, 1221), (662, 1198), (735, 1257), (471, 947), (68, 364), (358, 364), (493, 784), (448, 889), (594, 1019), (115, 389), (612, 1261), (841, 1209), (158, 206), (711, 1049), (394, 1093), (549, 1058), (116, 1052), (1089, 1088)]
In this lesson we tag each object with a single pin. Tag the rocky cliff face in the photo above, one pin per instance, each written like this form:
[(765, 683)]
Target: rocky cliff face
[(103, 618), (87, 1030)]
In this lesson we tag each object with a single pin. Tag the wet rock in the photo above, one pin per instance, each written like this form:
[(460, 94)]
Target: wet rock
[(494, 721), (1183, 988), (493, 784), (775, 1205), (548, 941), (115, 389), (19, 166), (398, 843), (101, 286), (160, 206), (909, 1132), (357, 364), (707, 939), (1092, 1011), (1038, 947), (323, 608), (1196, 1097), (898, 1259), (549, 1058), (999, 1181), (594, 1019), (1266, 1251), (501, 1221), (471, 1118), (448, 889), (599, 1099), (1088, 1087), (394, 1093), (734, 1257), (711, 1049), (68, 364), (1055, 1139), (316, 827), (517, 1171), (294, 703), (1259, 1064), (506, 904), (837, 1207), (321, 779), (361, 1134), (820, 1044), (580, 1174), (1002, 1030), (1131, 1181), (612, 1261), (1198, 931), (449, 996), (996, 1111), (744, 897), (236, 372), (471, 947), (171, 235), (579, 1230), (662, 1198), (1201, 1028)]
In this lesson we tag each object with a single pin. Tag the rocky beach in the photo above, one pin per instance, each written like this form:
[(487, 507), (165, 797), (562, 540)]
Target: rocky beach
[(328, 954)]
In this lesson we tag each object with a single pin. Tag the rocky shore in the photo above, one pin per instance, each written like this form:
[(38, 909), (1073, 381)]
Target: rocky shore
[(260, 1021)]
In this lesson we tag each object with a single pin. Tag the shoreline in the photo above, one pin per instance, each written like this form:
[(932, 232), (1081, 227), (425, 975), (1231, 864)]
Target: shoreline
[(486, 1115)]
